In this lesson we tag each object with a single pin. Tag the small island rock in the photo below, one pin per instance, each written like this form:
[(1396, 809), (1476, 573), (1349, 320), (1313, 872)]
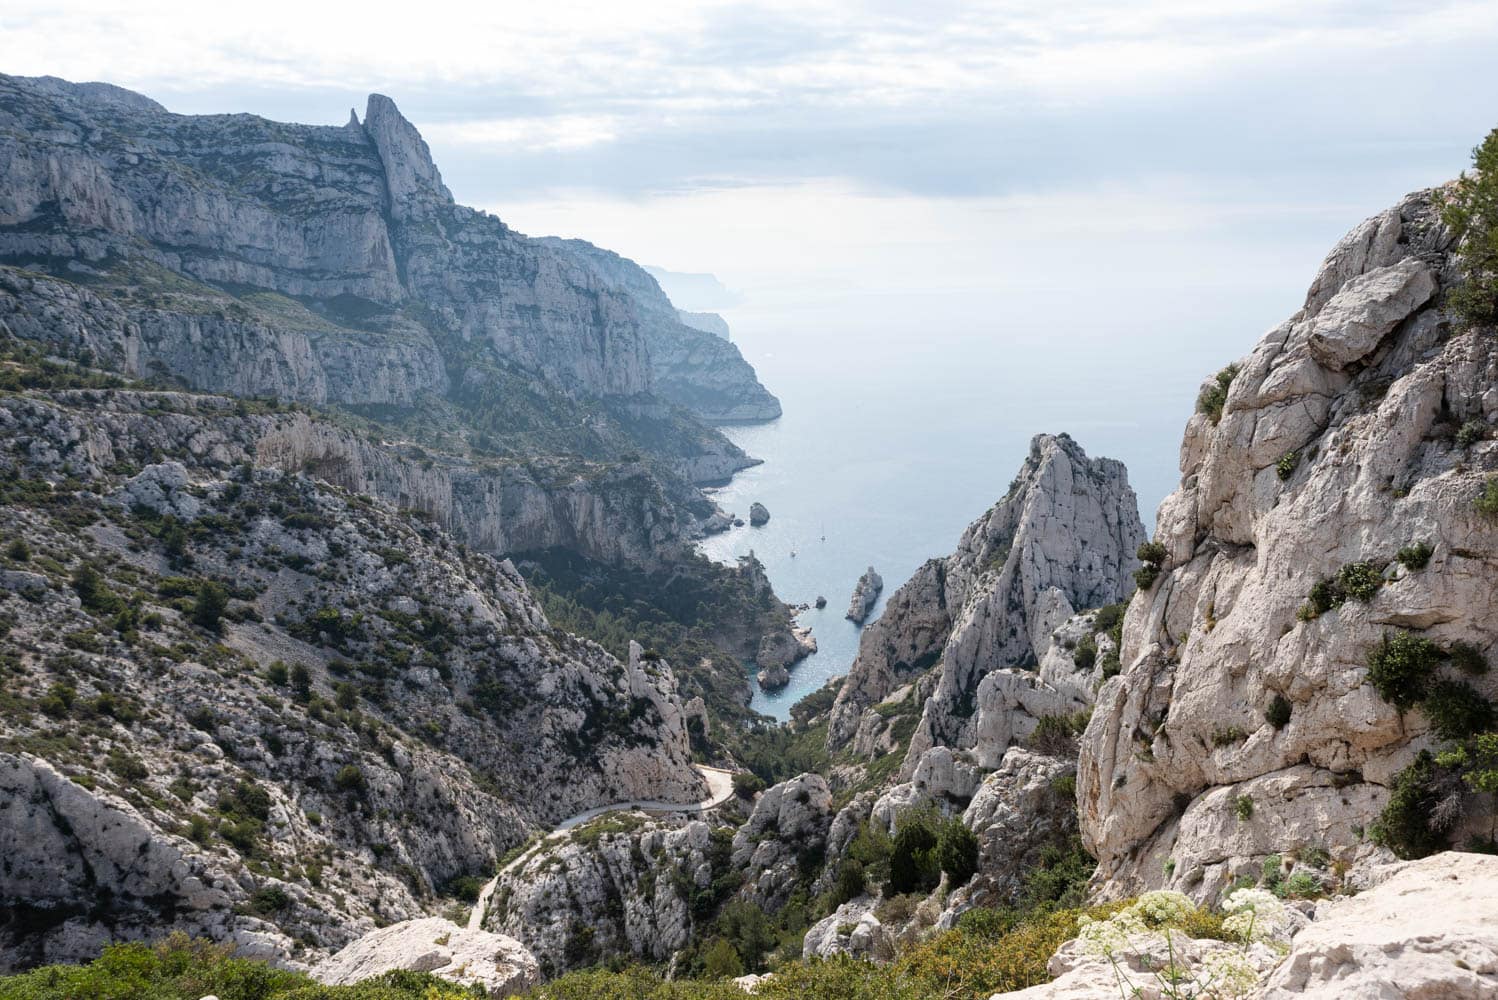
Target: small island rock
[(864, 596)]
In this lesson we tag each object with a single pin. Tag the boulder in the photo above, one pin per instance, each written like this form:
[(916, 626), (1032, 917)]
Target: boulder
[(1426, 929), (500, 964), (852, 930), (759, 514), (773, 677)]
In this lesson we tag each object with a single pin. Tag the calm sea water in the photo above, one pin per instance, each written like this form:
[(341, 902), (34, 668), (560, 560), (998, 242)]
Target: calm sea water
[(896, 435)]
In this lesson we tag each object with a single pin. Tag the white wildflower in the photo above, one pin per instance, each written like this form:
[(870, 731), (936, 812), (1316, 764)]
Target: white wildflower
[(1112, 936), (1230, 973), (1164, 908), (1255, 915)]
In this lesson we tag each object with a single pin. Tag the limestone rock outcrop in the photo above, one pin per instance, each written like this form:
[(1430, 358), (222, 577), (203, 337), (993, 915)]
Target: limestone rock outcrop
[(1341, 441), (1061, 541), (853, 930), (499, 964), (759, 514), (621, 884), (788, 820), (865, 595), (692, 362)]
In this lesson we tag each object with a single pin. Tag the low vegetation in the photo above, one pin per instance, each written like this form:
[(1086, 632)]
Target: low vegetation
[(183, 969)]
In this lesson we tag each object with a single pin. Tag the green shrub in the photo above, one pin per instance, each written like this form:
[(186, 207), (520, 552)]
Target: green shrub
[(852, 881), (1085, 653), (1152, 552), (18, 551), (1405, 825), (957, 852), (1414, 556), (721, 960), (1470, 210), (1359, 581), (1214, 396), (93, 592), (913, 866), (1468, 658), (179, 968), (1056, 735), (1456, 710), (1285, 467), (1272, 872), (1278, 712), (350, 778), (1400, 668), (747, 784), (1146, 575), (1471, 432), (209, 607), (1487, 501), (1243, 807)]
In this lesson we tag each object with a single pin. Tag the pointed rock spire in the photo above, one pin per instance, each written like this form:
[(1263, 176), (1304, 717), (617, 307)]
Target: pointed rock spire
[(353, 119), (410, 175)]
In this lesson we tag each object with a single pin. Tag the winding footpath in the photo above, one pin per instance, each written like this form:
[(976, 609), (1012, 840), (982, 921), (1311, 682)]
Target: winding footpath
[(719, 791)]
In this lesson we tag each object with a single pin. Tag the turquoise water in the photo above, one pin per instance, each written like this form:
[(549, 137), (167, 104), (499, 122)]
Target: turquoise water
[(895, 437)]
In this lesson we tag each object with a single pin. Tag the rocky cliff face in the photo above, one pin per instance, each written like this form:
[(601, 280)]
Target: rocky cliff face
[(1244, 723), (249, 704), (331, 266), (692, 362), (1062, 539)]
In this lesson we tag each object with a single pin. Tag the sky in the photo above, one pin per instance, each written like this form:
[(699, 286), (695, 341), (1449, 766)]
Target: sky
[(1135, 191)]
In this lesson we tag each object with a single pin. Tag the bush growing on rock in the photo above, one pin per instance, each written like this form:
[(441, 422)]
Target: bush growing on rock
[(1414, 556), (913, 866), (1419, 811), (1359, 581), (1456, 710), (1400, 668), (1470, 210), (1215, 395), (1278, 712), (1487, 501), (957, 852), (747, 784), (1285, 467), (1468, 658)]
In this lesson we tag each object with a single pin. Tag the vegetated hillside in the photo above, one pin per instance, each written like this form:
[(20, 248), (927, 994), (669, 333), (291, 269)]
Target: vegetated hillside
[(245, 703), (1307, 672)]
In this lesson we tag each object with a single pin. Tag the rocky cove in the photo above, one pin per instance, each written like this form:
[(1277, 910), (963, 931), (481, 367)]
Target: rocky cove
[(357, 641)]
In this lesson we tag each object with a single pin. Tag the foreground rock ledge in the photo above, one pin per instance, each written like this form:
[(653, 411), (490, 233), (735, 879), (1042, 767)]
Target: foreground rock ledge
[(500, 964), (1426, 930)]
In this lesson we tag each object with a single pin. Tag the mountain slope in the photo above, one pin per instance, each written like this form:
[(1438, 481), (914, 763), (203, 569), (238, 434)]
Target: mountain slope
[(245, 703)]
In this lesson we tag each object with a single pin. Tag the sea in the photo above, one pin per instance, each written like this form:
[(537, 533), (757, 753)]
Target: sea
[(897, 434)]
